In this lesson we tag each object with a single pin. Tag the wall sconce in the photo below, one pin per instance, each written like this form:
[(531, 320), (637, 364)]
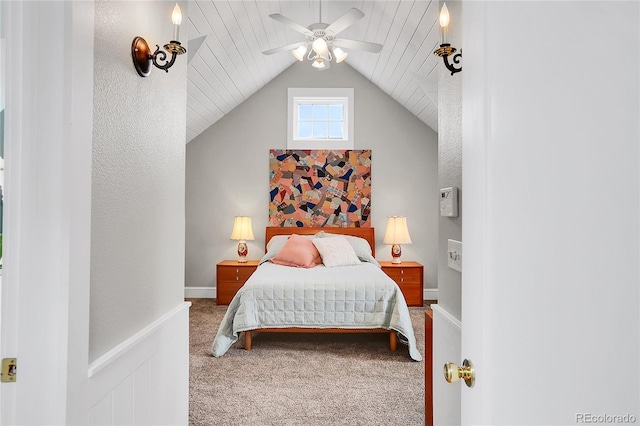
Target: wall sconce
[(446, 49), (140, 52)]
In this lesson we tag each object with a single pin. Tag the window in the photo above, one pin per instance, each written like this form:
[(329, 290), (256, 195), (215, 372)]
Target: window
[(320, 119)]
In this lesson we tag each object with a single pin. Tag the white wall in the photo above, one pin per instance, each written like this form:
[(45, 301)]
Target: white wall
[(137, 222), (450, 165), (227, 171)]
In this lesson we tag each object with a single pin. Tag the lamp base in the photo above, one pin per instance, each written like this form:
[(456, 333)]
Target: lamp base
[(243, 250), (396, 252)]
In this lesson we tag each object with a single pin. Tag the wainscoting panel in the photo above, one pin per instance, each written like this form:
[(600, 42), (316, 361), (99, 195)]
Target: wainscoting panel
[(447, 333), (144, 380)]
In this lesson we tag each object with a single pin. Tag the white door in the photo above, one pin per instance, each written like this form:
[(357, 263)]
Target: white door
[(48, 129), (551, 227)]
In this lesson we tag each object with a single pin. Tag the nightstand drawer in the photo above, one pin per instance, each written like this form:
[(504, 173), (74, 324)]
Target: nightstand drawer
[(230, 276), (412, 293), (226, 290), (407, 275), (234, 273)]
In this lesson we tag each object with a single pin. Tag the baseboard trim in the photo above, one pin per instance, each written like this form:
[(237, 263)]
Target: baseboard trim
[(200, 292), (430, 294), (210, 293)]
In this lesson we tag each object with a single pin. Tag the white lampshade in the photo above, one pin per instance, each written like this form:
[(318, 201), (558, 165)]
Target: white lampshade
[(319, 45), (397, 231), (318, 63), (340, 54), (300, 52), (242, 229)]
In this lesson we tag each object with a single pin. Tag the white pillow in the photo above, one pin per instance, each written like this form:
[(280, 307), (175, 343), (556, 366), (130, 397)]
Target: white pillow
[(360, 246), (336, 251)]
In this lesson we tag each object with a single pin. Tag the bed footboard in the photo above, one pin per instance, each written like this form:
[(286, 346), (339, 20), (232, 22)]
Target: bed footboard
[(393, 339)]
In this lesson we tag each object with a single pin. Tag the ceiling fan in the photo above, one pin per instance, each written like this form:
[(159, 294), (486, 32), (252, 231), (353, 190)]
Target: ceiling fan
[(321, 44)]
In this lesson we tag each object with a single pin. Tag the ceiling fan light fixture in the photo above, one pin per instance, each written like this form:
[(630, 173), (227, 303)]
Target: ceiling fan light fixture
[(320, 41), (339, 54), (300, 52), (318, 63), (320, 46)]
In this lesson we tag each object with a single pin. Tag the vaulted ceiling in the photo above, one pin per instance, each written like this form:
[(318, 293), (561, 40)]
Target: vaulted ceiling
[(227, 38)]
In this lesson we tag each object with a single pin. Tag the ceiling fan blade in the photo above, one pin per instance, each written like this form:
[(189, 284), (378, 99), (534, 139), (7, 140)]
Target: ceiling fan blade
[(344, 21), (291, 24), (356, 44), (281, 48)]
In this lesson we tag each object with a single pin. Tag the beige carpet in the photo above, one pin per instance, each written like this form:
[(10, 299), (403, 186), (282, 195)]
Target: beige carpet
[(303, 379)]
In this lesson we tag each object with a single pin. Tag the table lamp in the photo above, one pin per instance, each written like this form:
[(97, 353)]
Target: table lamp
[(242, 232), (397, 234)]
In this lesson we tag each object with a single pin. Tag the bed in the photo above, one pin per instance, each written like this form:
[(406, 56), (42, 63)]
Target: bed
[(352, 297)]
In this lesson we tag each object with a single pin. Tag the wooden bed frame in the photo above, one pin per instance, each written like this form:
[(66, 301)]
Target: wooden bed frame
[(366, 233)]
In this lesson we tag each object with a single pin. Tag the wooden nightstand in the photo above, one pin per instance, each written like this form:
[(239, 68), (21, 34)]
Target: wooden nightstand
[(409, 277), (230, 276)]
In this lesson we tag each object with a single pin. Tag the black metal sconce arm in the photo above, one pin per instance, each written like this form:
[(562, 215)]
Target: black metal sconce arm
[(142, 58), (447, 50)]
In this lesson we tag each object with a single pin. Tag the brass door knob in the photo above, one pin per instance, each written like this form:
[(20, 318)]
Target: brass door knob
[(453, 372)]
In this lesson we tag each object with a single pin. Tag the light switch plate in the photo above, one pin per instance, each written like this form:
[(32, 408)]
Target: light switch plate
[(454, 255)]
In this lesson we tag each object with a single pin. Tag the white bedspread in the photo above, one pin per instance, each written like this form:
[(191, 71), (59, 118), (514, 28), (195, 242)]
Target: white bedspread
[(275, 296)]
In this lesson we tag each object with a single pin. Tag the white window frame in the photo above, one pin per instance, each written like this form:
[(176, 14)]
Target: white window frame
[(325, 96)]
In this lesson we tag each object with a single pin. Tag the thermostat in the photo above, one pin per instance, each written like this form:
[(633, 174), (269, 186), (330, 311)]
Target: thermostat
[(449, 202)]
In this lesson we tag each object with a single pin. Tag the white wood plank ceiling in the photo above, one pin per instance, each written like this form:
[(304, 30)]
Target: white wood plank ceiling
[(229, 66)]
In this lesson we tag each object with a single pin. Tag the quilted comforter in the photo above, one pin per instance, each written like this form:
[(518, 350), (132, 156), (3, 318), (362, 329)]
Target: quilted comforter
[(275, 296)]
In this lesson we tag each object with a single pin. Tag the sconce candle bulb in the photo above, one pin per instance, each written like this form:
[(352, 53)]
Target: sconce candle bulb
[(444, 23), (176, 18)]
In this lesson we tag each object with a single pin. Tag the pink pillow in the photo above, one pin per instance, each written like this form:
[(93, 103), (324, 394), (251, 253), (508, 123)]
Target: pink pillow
[(299, 252)]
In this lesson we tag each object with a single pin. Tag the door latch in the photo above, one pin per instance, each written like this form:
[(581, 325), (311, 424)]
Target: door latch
[(9, 370)]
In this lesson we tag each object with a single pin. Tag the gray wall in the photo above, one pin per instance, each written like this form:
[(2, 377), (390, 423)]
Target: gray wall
[(137, 229), (227, 171), (450, 167)]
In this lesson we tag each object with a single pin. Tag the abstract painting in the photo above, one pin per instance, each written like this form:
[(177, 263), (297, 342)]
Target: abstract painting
[(315, 188)]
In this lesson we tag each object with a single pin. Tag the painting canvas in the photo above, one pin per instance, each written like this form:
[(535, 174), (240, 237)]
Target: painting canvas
[(320, 188)]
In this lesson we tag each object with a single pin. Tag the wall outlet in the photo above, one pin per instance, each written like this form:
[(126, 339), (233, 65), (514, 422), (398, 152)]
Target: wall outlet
[(454, 255)]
